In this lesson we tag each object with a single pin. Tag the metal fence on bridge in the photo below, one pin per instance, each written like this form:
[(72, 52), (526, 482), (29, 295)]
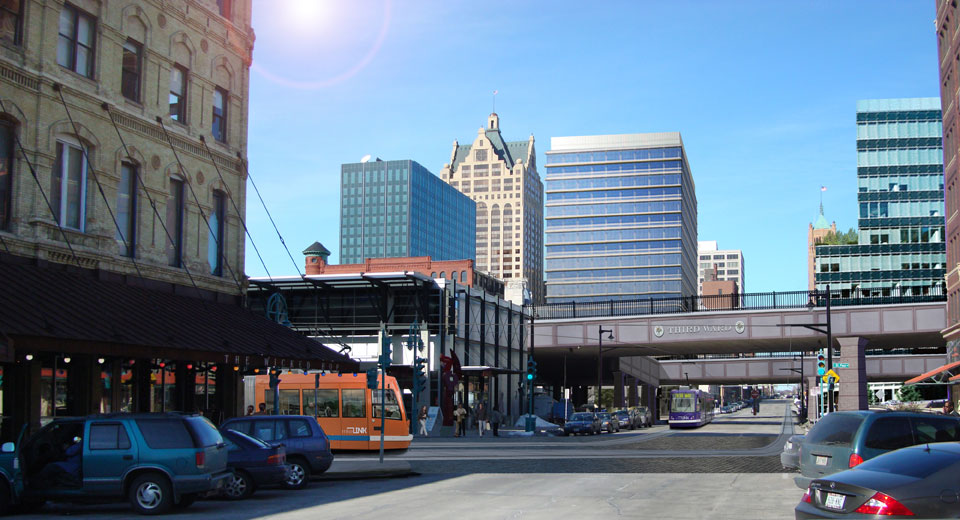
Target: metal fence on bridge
[(732, 302)]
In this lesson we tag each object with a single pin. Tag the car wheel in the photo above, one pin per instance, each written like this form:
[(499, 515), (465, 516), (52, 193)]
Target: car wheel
[(298, 475), (239, 486), (187, 500), (150, 494)]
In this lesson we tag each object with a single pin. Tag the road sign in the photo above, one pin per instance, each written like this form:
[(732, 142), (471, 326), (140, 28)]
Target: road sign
[(830, 373), (841, 365)]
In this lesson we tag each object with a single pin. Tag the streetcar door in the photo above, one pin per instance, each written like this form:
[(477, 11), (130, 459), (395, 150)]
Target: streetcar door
[(354, 422)]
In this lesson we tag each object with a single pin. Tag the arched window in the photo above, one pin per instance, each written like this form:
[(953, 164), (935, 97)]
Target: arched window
[(433, 274), (463, 277), (453, 276), (443, 274)]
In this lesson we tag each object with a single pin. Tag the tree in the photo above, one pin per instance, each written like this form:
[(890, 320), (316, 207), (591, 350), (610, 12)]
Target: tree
[(841, 238), (909, 393), (606, 398)]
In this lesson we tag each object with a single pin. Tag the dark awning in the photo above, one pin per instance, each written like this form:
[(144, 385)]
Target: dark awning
[(66, 309), (937, 376)]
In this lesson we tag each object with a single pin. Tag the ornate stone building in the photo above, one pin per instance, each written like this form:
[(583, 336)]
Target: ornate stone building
[(502, 178)]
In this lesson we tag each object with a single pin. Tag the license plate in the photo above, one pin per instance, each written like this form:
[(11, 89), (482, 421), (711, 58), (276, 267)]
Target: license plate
[(822, 461), (834, 501)]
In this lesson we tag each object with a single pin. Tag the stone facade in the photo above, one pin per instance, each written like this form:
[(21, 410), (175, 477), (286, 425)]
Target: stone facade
[(212, 41), (948, 45), (502, 178)]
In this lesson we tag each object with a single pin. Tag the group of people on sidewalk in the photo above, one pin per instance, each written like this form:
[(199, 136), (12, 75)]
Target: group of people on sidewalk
[(484, 420)]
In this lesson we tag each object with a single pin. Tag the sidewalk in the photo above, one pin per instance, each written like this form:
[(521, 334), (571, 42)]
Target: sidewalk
[(347, 468)]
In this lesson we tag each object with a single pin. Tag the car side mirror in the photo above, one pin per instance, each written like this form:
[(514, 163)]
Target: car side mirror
[(7, 447)]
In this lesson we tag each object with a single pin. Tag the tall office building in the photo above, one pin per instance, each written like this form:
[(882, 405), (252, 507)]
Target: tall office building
[(901, 249), (621, 217), (727, 262), (948, 44), (502, 178), (399, 209)]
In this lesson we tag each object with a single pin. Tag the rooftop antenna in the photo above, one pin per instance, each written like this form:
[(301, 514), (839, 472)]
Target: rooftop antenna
[(495, 101)]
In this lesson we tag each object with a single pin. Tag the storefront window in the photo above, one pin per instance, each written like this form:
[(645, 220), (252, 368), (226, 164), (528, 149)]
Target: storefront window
[(126, 388), (163, 382)]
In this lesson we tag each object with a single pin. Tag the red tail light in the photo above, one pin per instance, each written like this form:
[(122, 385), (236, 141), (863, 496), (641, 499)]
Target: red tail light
[(855, 460), (275, 460), (881, 504), (201, 458), (806, 496)]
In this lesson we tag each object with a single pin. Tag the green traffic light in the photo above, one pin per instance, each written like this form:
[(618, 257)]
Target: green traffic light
[(529, 377)]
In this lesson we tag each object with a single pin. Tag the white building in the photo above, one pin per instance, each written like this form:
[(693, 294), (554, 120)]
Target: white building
[(729, 264)]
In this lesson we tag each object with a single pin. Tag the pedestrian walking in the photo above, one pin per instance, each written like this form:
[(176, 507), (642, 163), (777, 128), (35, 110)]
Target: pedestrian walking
[(422, 417), (460, 415), (481, 413), (495, 418)]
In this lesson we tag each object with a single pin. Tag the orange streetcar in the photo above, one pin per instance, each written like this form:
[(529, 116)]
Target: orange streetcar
[(345, 408)]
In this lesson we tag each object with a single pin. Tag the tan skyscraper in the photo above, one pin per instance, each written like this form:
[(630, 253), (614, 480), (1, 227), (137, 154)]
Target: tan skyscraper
[(502, 178), (815, 234)]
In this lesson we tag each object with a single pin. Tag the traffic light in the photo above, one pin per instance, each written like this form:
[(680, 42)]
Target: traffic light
[(274, 377), (386, 354), (821, 364), (531, 370), (419, 375), (372, 379)]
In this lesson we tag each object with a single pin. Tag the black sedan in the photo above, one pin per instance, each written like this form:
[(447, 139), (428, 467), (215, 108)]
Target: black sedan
[(582, 422), (254, 463), (916, 482)]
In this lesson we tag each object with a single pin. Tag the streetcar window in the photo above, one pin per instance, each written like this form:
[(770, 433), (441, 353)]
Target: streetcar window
[(354, 403), (329, 403), (289, 401), (392, 408)]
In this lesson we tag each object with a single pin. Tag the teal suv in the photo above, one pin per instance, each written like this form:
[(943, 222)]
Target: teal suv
[(156, 461)]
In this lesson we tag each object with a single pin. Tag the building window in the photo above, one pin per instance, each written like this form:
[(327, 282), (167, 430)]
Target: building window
[(481, 155), (127, 210), (130, 74), (69, 193), (10, 21), (224, 7), (75, 45), (215, 244), (178, 94), (219, 129), (6, 173), (175, 223)]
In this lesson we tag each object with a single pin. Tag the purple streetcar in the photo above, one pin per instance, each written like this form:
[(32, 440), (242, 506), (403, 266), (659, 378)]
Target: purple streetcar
[(690, 408)]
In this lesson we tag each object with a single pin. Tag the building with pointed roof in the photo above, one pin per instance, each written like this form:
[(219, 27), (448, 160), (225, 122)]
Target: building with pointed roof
[(501, 177), (817, 231)]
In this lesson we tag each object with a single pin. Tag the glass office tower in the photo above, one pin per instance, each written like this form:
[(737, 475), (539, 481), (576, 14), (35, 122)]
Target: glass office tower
[(901, 249), (621, 218), (394, 209)]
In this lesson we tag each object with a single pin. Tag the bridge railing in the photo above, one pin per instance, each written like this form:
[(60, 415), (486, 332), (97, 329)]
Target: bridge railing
[(731, 302)]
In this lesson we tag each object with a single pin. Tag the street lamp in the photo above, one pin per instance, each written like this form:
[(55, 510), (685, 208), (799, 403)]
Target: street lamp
[(600, 360)]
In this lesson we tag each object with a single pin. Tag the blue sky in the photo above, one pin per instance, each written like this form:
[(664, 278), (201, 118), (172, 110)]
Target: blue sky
[(764, 94)]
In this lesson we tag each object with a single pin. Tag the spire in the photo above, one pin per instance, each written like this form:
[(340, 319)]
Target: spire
[(821, 222)]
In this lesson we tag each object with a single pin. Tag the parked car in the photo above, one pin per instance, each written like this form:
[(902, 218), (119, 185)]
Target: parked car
[(308, 449), (155, 460), (790, 458), (918, 481), (646, 417), (842, 440), (608, 422), (626, 418), (582, 422), (254, 463)]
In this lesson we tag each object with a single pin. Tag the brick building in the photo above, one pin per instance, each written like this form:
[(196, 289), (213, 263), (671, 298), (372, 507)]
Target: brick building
[(123, 137)]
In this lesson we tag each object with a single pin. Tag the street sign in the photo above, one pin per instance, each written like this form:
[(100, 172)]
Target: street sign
[(841, 365), (830, 373)]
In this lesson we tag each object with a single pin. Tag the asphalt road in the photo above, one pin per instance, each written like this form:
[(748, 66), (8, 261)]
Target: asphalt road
[(728, 469)]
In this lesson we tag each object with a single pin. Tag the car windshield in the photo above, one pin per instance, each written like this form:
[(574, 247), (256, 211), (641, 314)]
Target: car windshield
[(623, 414), (582, 417), (683, 402), (836, 429), (604, 416), (915, 462), (251, 440)]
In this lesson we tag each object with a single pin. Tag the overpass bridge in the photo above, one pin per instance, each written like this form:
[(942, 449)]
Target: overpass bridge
[(568, 344)]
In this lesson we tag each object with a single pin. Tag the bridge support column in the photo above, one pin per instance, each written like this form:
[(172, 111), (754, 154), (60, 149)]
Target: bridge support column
[(618, 389), (813, 398), (853, 379), (632, 391)]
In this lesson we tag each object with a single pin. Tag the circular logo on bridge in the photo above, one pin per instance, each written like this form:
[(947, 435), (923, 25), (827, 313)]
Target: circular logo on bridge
[(739, 327), (658, 331)]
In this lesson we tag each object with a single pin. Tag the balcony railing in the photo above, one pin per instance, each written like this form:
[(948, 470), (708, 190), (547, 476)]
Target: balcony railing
[(749, 301)]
